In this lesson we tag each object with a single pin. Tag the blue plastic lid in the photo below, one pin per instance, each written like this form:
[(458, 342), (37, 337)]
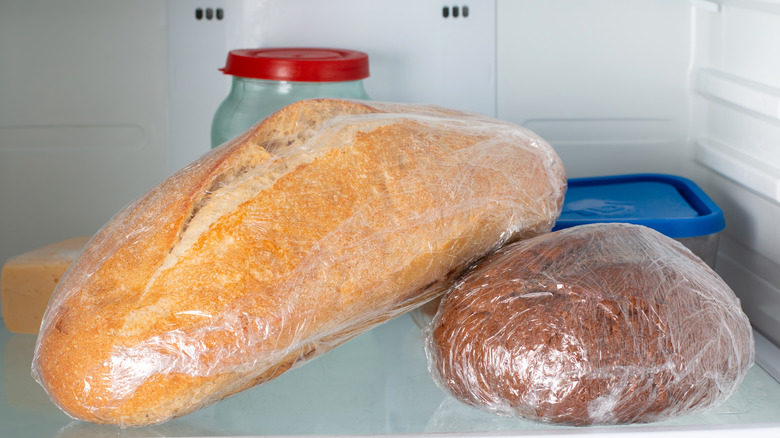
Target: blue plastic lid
[(671, 205)]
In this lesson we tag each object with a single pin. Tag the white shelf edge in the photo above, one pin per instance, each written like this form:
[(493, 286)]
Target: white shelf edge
[(746, 171), (750, 96), (767, 355)]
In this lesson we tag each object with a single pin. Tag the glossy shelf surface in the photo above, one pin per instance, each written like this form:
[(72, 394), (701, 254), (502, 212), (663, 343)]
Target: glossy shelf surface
[(376, 384)]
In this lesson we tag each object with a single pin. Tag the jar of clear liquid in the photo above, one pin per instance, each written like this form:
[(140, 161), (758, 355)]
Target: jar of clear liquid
[(265, 80)]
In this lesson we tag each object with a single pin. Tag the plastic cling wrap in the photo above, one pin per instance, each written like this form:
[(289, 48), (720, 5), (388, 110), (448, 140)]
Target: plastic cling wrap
[(322, 221), (596, 324)]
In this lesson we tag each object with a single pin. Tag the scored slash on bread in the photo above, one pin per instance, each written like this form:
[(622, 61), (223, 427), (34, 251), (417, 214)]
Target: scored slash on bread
[(327, 218)]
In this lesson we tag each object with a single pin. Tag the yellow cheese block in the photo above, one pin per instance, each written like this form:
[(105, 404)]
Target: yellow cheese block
[(27, 281)]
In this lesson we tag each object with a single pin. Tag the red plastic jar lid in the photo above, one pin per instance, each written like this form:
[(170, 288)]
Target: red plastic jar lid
[(302, 64)]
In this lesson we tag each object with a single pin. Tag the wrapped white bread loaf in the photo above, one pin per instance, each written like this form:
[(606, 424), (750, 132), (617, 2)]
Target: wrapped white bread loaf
[(320, 222), (596, 324)]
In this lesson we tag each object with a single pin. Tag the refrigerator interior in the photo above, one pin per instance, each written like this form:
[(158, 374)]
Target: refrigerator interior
[(102, 99)]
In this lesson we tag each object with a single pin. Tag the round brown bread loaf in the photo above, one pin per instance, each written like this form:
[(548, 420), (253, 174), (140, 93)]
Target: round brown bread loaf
[(598, 324)]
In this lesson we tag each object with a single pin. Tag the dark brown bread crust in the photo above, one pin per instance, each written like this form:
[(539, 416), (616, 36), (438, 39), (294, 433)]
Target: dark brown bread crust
[(601, 324), (320, 222)]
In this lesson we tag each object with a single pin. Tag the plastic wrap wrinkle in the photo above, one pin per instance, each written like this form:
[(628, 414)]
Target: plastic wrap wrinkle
[(322, 221), (599, 324)]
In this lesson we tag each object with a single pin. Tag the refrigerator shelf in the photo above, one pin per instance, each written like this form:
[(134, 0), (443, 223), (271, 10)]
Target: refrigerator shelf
[(376, 384)]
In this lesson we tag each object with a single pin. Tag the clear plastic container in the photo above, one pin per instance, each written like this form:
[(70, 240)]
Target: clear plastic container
[(265, 80), (670, 204)]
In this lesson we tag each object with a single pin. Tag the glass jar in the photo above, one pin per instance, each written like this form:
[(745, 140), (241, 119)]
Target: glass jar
[(265, 80)]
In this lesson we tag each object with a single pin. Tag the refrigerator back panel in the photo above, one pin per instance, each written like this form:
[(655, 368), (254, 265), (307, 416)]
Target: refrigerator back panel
[(419, 51), (83, 106), (598, 80)]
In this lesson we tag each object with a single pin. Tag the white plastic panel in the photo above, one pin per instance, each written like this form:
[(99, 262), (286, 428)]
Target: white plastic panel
[(83, 106), (604, 81), (735, 134), (753, 174)]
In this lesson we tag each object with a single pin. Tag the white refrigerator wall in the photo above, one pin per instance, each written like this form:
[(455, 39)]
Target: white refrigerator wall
[(604, 81), (101, 99), (83, 114), (735, 143)]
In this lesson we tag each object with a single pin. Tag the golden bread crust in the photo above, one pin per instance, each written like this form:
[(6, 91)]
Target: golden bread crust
[(322, 221)]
